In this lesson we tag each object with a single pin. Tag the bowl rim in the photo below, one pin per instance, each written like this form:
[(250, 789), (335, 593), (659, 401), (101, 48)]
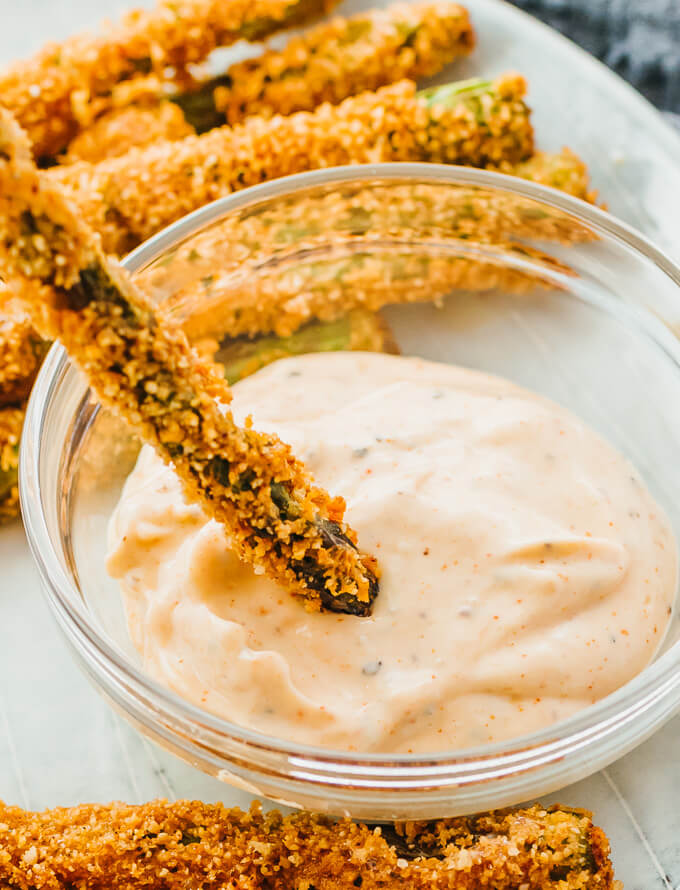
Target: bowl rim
[(659, 680)]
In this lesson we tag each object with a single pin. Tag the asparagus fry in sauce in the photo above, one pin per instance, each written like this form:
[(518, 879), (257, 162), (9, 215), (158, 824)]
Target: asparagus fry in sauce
[(142, 366)]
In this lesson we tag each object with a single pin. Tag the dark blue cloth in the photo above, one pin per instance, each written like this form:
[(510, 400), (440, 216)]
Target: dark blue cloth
[(640, 39)]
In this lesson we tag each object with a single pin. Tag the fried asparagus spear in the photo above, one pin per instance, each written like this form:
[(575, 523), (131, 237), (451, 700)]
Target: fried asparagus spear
[(69, 84), (478, 123), (21, 353), (224, 279), (142, 366), (326, 64), (191, 845), (357, 331), (347, 56)]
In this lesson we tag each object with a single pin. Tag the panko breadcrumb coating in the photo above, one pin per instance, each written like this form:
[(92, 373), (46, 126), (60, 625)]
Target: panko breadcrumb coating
[(127, 199), (564, 171), (259, 271), (188, 845), (67, 85), (283, 299), (325, 64), (142, 366), (287, 300), (11, 422), (21, 353), (347, 56), (136, 126)]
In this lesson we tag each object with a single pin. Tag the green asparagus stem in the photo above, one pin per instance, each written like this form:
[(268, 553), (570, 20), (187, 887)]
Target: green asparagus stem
[(359, 331), (11, 422)]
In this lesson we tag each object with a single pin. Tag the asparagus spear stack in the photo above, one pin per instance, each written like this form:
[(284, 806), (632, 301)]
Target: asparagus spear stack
[(194, 845), (85, 87), (142, 366), (325, 64), (67, 85)]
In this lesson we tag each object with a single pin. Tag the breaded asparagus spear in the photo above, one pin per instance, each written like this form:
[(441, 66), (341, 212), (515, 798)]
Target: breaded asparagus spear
[(222, 280), (191, 845), (71, 83), (347, 56), (563, 170), (478, 123), (240, 357), (142, 366)]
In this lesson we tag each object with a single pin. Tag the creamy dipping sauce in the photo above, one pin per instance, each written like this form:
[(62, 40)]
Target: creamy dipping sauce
[(526, 570)]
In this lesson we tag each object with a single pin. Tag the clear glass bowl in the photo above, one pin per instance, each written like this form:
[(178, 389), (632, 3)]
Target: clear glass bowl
[(530, 284)]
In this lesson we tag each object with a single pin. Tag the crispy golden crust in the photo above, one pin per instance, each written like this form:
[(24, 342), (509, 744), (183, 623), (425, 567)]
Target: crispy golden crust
[(225, 279), (21, 352), (190, 845), (142, 366), (565, 171), (116, 132), (11, 422), (67, 85), (128, 199), (347, 56), (281, 300)]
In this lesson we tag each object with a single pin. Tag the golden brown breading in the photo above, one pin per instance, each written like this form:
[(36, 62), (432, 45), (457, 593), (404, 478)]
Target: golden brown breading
[(136, 126), (11, 422), (21, 353), (188, 845), (142, 366), (282, 299), (225, 279), (564, 170), (348, 56), (127, 199), (67, 85)]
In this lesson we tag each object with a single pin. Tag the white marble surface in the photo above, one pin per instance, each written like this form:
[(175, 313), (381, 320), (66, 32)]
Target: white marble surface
[(60, 743)]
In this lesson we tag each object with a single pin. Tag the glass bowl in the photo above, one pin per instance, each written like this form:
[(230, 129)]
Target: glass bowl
[(490, 272)]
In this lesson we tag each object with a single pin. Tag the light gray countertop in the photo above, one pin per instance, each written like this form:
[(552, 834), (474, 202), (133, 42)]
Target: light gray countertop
[(60, 743)]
